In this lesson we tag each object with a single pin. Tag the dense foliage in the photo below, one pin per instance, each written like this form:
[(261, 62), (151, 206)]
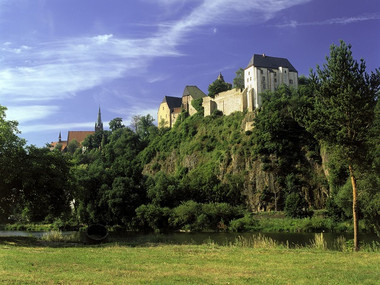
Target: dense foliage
[(206, 173)]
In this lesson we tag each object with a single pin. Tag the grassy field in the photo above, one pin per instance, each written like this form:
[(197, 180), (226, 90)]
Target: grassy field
[(37, 262)]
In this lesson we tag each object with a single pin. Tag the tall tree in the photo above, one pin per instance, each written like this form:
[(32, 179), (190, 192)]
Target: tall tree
[(239, 79), (144, 126), (11, 155), (345, 97), (116, 123)]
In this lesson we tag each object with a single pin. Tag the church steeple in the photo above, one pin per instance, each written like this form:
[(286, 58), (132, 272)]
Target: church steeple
[(59, 137), (99, 123)]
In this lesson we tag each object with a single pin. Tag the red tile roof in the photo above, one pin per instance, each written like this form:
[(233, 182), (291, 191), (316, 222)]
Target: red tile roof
[(79, 136)]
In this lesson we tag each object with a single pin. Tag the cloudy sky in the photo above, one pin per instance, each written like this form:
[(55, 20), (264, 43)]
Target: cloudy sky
[(62, 59)]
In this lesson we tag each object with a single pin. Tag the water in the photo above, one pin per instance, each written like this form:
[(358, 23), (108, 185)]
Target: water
[(27, 234), (292, 239), (134, 238)]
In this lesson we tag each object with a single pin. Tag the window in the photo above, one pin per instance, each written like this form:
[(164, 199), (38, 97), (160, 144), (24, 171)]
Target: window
[(290, 81), (249, 73), (251, 78), (275, 80), (261, 71)]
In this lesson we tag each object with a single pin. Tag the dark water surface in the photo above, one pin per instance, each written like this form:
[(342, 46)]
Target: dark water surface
[(293, 239)]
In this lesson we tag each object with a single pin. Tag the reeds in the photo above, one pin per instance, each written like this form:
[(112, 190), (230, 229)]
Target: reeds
[(58, 236), (319, 242), (256, 241)]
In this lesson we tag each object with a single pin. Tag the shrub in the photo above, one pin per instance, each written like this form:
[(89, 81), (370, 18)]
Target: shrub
[(296, 206), (152, 217), (246, 223)]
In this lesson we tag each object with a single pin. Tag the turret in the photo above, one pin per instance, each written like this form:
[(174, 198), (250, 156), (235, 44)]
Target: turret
[(220, 77)]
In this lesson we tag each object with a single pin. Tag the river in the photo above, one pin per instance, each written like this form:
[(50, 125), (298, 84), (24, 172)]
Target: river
[(293, 239)]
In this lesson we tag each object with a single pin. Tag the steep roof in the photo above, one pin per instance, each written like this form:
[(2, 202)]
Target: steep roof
[(262, 60), (79, 136), (194, 92), (54, 144), (173, 102)]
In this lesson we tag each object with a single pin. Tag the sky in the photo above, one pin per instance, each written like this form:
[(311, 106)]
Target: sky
[(60, 60)]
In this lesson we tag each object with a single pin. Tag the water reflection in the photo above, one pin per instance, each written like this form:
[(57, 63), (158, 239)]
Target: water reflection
[(133, 238)]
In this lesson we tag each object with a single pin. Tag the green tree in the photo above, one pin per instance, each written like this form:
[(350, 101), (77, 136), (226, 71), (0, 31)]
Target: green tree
[(45, 188), (116, 123), (11, 155), (145, 126), (239, 79), (345, 97), (280, 142), (219, 85), (72, 147)]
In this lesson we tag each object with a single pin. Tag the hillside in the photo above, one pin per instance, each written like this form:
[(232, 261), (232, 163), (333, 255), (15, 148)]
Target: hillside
[(216, 152)]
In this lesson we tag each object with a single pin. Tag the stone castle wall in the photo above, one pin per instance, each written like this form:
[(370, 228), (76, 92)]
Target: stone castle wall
[(228, 102)]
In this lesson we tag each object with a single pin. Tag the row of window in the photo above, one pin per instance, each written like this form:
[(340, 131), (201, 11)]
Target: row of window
[(263, 79)]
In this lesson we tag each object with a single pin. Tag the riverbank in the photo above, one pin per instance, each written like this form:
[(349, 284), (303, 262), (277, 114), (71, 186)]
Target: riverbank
[(266, 222), (28, 261)]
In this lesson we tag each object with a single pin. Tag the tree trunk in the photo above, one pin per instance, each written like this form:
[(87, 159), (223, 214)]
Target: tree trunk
[(354, 208)]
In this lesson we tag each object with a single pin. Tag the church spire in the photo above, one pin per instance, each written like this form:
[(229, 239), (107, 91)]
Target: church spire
[(59, 137), (99, 123)]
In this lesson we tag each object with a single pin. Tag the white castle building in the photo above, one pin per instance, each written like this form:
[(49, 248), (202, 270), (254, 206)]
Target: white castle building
[(267, 73), (262, 73)]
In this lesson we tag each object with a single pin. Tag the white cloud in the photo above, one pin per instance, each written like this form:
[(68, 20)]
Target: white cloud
[(60, 69), (136, 110), (56, 127), (333, 21), (25, 114)]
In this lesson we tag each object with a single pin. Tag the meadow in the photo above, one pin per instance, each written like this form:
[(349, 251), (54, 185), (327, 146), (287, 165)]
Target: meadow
[(32, 261)]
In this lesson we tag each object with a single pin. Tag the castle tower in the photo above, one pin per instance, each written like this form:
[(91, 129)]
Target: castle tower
[(99, 123)]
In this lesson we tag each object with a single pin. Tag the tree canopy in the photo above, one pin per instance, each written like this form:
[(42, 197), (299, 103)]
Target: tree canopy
[(239, 79), (219, 85)]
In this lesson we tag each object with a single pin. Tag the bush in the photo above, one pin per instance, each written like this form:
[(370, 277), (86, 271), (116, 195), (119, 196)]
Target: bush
[(296, 206), (152, 217), (185, 215), (246, 223), (195, 216)]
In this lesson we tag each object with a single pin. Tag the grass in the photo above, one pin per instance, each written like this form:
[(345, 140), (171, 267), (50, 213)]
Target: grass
[(29, 261)]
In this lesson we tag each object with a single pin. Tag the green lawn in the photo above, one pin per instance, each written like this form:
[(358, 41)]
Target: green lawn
[(25, 263)]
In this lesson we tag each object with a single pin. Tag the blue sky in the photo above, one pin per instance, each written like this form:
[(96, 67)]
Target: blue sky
[(62, 59)]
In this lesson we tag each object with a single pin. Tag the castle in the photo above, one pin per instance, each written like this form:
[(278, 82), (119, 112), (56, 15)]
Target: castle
[(78, 136), (171, 107), (262, 73)]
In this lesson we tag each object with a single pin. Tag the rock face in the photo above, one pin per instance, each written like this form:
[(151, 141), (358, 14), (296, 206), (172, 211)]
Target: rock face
[(229, 150)]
